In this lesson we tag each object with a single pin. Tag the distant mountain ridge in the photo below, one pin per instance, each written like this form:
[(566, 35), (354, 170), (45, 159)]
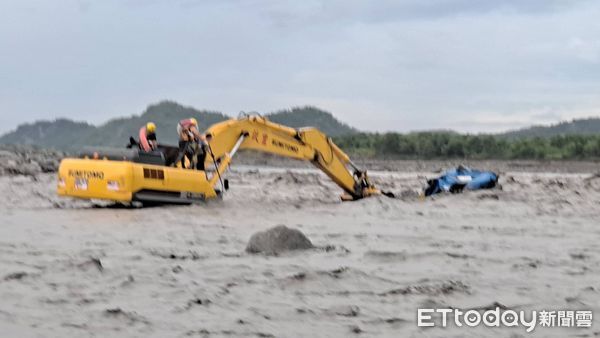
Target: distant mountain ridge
[(65, 134), (60, 133), (312, 117), (585, 126)]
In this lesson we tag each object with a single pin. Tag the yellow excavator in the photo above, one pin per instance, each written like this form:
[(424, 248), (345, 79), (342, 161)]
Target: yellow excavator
[(155, 177)]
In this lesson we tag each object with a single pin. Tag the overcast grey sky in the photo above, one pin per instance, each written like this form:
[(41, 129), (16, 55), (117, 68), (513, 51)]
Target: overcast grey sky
[(378, 65)]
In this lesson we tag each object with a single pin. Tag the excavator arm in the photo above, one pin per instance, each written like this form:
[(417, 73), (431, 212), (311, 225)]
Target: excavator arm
[(309, 144)]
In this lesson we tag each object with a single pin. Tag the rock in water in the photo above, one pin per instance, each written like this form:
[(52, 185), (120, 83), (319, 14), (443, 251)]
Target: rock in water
[(27, 160), (278, 239)]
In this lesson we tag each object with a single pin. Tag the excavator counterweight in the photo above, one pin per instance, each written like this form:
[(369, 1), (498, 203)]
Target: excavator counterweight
[(148, 177)]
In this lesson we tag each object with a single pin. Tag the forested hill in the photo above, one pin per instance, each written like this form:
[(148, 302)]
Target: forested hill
[(587, 126), (578, 139), (312, 117), (66, 134)]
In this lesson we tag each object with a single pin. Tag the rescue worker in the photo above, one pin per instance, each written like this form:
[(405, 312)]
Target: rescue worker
[(151, 135), (191, 143), (147, 137)]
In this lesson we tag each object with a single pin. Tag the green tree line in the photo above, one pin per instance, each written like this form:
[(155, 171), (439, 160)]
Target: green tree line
[(452, 145)]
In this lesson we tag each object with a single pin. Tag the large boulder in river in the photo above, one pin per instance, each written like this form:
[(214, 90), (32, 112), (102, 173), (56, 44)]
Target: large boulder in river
[(278, 239)]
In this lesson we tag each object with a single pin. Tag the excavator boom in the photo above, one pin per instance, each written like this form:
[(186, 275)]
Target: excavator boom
[(309, 144), (153, 177)]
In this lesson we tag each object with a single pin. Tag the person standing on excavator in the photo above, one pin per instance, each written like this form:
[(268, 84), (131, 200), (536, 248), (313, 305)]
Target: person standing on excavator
[(147, 138), (191, 143)]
